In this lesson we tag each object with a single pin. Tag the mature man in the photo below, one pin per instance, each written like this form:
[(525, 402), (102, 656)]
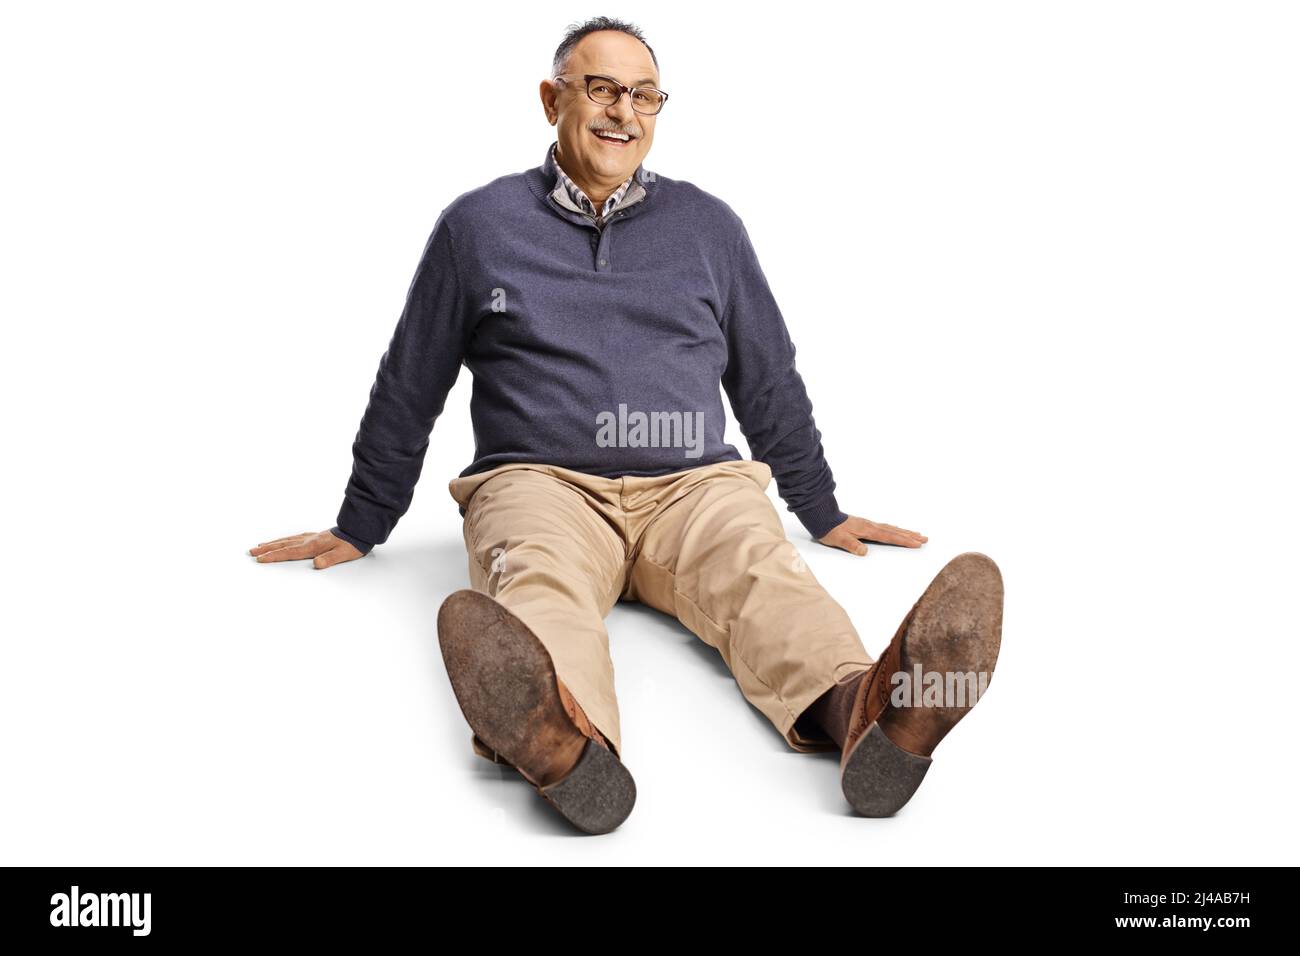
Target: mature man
[(598, 307)]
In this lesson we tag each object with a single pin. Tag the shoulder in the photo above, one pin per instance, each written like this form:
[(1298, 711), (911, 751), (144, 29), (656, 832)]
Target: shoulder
[(486, 203), (706, 211)]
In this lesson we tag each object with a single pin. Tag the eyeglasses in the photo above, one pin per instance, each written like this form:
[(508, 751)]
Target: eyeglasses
[(606, 91)]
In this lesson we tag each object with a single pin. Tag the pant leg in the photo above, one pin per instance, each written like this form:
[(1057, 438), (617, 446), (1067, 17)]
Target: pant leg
[(537, 546), (718, 559)]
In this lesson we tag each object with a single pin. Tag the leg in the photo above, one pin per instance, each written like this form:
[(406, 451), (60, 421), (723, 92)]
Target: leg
[(718, 560), (538, 548)]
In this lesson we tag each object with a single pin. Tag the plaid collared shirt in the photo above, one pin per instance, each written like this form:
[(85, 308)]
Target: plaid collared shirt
[(579, 198)]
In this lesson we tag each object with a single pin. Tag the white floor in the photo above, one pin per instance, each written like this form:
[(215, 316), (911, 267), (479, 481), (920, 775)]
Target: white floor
[(179, 703)]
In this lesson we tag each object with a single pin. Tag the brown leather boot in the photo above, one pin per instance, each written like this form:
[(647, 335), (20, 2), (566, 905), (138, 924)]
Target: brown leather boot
[(954, 628), (571, 707), (523, 716)]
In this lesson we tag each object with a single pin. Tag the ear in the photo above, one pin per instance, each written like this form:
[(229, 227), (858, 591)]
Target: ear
[(549, 93)]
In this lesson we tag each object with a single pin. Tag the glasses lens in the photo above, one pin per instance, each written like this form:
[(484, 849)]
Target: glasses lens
[(602, 91), (647, 101)]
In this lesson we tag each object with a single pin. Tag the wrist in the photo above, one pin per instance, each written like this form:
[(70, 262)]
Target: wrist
[(363, 546), (821, 517)]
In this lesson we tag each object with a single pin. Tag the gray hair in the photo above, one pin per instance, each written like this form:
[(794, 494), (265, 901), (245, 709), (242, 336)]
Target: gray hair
[(576, 31)]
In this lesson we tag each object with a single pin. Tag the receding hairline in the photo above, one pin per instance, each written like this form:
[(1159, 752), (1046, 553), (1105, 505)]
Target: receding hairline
[(577, 32)]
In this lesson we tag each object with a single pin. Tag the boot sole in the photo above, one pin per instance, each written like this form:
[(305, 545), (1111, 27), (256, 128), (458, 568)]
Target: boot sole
[(505, 683), (956, 626)]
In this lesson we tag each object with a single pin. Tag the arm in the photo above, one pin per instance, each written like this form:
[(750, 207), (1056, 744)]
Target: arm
[(415, 374), (768, 396), (775, 414)]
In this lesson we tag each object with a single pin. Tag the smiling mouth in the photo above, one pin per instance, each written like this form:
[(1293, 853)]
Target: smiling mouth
[(614, 138)]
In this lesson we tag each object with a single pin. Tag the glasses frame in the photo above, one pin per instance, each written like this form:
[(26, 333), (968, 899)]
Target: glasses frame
[(588, 77)]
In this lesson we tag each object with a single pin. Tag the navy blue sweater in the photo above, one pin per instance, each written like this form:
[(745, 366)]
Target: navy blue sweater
[(600, 350)]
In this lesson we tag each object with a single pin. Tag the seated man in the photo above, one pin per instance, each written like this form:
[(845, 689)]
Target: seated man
[(598, 307)]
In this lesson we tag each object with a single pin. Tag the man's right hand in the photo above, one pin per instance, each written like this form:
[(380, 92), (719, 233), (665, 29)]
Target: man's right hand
[(321, 545)]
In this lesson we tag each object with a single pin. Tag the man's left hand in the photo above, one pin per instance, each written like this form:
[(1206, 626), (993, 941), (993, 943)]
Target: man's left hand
[(847, 535)]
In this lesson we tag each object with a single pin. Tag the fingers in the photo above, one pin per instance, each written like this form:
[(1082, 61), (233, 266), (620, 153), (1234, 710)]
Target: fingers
[(849, 534), (910, 539), (330, 558), (323, 546), (292, 552), (301, 546), (278, 542), (885, 533)]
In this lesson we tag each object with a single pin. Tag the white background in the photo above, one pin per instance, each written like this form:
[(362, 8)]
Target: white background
[(1039, 260)]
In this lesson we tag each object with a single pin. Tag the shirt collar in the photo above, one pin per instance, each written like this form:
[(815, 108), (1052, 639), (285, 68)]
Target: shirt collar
[(570, 194)]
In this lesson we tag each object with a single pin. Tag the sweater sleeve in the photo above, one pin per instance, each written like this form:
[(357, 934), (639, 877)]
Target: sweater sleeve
[(768, 397), (415, 374)]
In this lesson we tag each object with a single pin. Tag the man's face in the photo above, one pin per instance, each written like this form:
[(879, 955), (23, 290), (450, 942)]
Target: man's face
[(590, 160)]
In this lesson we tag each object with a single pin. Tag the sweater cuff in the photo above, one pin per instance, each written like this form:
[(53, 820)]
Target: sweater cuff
[(362, 546), (821, 517)]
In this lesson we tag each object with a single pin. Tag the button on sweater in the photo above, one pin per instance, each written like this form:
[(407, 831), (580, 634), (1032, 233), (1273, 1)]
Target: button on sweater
[(600, 350)]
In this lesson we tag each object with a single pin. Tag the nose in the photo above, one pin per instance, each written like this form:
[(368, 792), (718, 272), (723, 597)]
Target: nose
[(621, 109)]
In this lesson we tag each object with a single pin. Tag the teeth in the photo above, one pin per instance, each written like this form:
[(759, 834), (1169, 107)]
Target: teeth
[(611, 134)]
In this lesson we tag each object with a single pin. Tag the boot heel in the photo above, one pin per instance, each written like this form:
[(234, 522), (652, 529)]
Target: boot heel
[(597, 794), (879, 776)]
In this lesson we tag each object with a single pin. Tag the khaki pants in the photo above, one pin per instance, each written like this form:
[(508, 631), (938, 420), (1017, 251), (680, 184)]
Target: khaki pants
[(560, 547)]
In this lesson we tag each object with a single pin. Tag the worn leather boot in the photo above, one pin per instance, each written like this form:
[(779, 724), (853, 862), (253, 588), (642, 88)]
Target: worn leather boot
[(523, 716), (571, 707), (954, 628)]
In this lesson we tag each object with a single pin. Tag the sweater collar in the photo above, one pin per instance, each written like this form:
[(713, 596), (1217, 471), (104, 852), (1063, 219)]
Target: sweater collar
[(580, 200), (547, 183)]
